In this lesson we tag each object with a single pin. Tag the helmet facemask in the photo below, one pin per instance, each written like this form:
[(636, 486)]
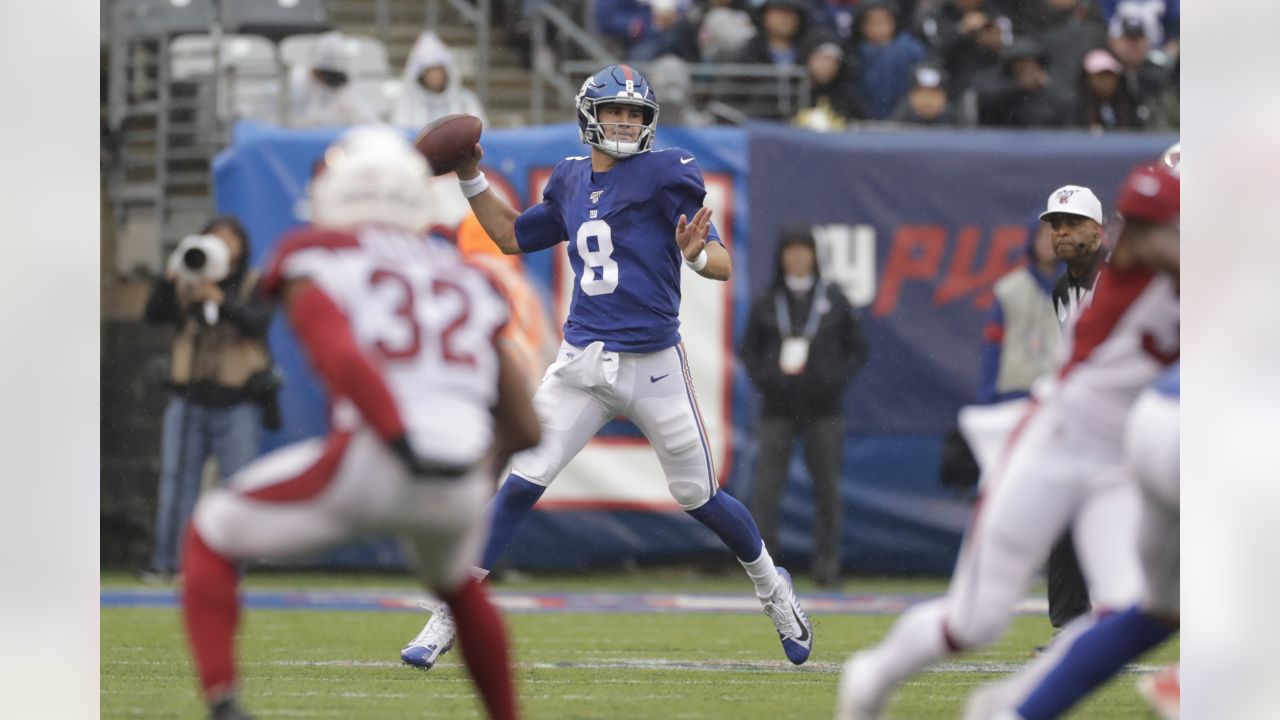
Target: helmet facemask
[(609, 137)]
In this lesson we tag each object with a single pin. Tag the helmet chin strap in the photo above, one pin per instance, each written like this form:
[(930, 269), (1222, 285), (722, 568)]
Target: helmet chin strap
[(616, 147)]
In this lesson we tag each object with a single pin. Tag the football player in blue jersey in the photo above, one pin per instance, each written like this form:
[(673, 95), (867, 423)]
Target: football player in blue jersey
[(630, 215)]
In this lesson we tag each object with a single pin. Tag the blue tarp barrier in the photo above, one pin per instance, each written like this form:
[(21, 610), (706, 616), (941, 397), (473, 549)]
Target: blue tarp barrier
[(915, 225)]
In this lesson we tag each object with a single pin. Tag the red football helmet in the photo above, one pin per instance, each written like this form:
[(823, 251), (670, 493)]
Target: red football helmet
[(1151, 193)]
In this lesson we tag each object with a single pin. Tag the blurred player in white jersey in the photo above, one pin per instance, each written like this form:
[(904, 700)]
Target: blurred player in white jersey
[(631, 216), (1151, 439), (402, 333), (1064, 467)]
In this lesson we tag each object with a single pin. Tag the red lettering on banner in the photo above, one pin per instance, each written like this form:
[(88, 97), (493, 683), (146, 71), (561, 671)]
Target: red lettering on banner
[(915, 252), (961, 280)]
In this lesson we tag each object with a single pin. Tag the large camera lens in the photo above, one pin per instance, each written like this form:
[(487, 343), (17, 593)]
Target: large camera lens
[(194, 258)]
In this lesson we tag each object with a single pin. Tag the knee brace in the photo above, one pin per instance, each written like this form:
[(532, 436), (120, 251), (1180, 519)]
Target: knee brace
[(690, 492)]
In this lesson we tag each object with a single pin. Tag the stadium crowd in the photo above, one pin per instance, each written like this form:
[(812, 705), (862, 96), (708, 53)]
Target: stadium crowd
[(1105, 64), (1094, 64)]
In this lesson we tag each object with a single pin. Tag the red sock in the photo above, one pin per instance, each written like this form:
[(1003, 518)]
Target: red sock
[(484, 648), (210, 610)]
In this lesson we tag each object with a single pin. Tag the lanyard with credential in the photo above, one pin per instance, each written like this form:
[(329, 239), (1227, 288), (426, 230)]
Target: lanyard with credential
[(817, 309)]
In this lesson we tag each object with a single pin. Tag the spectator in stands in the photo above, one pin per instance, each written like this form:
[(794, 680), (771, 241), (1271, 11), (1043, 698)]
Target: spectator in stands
[(320, 91), (1144, 78), (801, 348), (1066, 44), (724, 27), (1021, 95), (220, 381), (927, 103), (1161, 18), (886, 57), (1105, 103), (673, 84), (781, 26), (431, 86), (648, 28), (968, 36), (834, 97)]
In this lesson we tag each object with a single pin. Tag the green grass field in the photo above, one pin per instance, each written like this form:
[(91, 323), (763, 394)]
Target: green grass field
[(308, 663)]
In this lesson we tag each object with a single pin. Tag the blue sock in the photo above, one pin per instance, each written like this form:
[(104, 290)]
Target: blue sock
[(729, 519), (514, 500), (1092, 659)]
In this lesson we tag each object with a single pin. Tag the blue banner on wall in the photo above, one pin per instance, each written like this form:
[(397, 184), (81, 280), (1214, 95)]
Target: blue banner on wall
[(915, 225)]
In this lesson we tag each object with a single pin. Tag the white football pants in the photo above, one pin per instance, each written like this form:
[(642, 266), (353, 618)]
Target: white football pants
[(587, 387), (322, 492), (1152, 444), (1057, 474)]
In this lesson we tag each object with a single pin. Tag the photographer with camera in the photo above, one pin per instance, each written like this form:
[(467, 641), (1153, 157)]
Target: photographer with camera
[(221, 380)]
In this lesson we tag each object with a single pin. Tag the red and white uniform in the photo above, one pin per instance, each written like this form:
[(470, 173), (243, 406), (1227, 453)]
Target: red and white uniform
[(402, 332), (1063, 466)]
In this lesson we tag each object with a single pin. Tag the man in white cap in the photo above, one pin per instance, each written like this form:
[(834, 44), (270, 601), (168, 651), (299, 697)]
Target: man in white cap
[(1075, 214)]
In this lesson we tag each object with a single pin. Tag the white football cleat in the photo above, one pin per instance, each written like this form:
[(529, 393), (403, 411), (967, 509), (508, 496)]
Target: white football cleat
[(859, 696), (790, 619), (435, 639)]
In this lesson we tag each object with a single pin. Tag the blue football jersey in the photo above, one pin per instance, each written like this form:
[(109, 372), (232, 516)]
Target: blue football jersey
[(620, 227)]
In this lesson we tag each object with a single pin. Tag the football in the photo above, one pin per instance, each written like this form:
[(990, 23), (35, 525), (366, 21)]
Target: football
[(447, 141)]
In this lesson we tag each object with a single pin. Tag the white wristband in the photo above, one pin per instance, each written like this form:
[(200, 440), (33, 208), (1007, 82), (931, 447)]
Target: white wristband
[(699, 262), (474, 186)]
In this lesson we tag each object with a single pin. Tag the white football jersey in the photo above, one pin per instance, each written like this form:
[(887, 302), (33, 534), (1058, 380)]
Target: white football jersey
[(1124, 338), (424, 317)]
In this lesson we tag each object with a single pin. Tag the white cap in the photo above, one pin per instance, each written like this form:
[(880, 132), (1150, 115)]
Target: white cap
[(1074, 200)]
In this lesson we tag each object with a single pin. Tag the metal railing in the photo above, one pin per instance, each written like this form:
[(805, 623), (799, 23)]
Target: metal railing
[(735, 92), (572, 37), (730, 91)]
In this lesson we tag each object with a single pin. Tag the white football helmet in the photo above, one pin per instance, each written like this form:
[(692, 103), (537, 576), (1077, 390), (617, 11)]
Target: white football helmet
[(373, 175)]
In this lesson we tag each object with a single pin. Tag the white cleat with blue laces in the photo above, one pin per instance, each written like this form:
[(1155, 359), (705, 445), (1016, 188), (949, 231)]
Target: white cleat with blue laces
[(790, 619), (435, 639)]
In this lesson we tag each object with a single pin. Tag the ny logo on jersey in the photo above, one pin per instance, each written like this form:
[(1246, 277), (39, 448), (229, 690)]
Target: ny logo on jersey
[(1064, 196), (595, 196)]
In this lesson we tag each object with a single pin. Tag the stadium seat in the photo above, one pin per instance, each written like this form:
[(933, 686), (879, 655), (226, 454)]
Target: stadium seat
[(252, 77), (368, 55)]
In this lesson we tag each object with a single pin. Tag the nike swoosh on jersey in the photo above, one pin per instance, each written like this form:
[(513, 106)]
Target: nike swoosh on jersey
[(686, 161), (653, 379)]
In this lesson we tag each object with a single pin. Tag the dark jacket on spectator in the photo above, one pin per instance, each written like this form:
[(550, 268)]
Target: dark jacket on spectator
[(757, 50), (961, 54), (1003, 103), (841, 94), (632, 23), (907, 116), (1065, 47), (838, 351)]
